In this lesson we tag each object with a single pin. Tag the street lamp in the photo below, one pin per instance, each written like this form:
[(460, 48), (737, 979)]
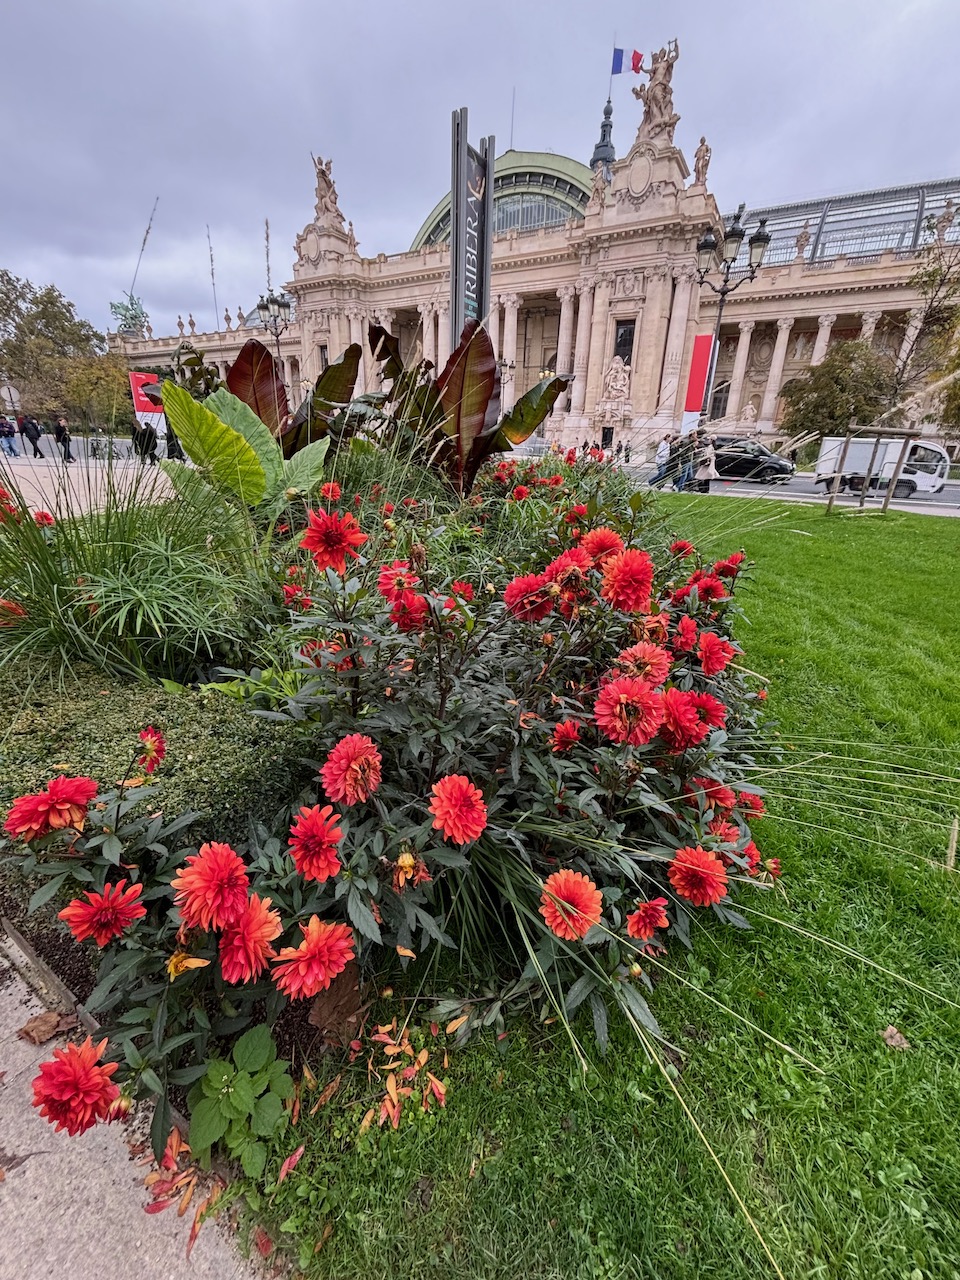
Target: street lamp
[(274, 313), (707, 248)]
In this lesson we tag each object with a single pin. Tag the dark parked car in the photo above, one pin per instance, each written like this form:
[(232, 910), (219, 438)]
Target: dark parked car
[(739, 459)]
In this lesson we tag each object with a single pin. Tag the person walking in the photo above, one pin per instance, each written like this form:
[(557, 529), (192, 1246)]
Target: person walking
[(661, 460), (145, 444), (8, 435), (61, 433), (31, 431), (684, 462), (706, 463)]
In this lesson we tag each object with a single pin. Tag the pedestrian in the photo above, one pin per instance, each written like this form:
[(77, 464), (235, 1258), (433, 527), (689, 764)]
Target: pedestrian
[(661, 460), (585, 446), (618, 452), (61, 433), (8, 435), (706, 463), (31, 430), (174, 447), (145, 443), (682, 462), (626, 454)]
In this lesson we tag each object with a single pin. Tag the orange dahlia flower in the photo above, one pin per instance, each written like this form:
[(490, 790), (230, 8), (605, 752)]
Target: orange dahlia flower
[(325, 951), (565, 735), (714, 652), (154, 749), (62, 804), (330, 538), (313, 843), (74, 1091), (698, 875), (571, 904), (647, 919), (352, 770), (629, 710), (458, 809), (601, 544), (627, 581), (211, 890), (646, 661), (527, 597), (104, 915), (245, 946)]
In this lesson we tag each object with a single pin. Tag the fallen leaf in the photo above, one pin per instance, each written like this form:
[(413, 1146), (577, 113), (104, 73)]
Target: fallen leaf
[(336, 1011), (45, 1026), (309, 1079), (455, 1025), (327, 1233), (894, 1040), (157, 1206), (327, 1094), (186, 1198), (3, 1175), (392, 1088), (131, 782), (367, 1120), (290, 1163), (264, 1244), (405, 951)]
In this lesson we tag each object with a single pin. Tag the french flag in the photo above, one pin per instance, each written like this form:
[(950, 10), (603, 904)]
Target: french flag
[(636, 62)]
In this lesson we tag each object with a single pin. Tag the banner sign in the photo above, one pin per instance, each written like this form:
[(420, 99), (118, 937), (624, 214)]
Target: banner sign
[(471, 227), (699, 372), (144, 410)]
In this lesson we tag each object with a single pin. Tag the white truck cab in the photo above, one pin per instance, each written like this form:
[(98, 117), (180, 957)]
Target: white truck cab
[(925, 467)]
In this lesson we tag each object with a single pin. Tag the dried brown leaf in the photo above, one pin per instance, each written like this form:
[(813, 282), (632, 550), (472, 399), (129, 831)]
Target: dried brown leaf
[(893, 1039), (43, 1027)]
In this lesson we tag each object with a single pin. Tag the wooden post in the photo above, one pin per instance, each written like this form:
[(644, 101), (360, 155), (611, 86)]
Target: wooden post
[(834, 488), (866, 478), (904, 450)]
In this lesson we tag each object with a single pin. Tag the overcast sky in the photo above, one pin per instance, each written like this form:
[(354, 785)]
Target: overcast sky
[(215, 106)]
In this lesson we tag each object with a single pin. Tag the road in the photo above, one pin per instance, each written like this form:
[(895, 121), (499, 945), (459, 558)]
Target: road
[(802, 489)]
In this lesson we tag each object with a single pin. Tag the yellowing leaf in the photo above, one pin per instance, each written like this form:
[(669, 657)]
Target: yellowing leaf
[(455, 1025), (392, 1088), (405, 951), (367, 1120)]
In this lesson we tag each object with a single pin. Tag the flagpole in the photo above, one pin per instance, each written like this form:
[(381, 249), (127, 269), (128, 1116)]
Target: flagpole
[(610, 85)]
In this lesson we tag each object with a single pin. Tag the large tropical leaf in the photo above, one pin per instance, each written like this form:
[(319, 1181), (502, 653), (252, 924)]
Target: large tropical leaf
[(241, 417), (469, 389), (304, 470), (230, 461), (255, 379), (333, 390), (526, 415), (386, 351)]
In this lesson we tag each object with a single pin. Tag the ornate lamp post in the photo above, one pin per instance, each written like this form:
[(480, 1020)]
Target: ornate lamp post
[(274, 313), (706, 261)]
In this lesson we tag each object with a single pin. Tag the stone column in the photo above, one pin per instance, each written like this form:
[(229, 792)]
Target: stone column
[(645, 383), (676, 336), (566, 293), (508, 386), (739, 368), (578, 394), (825, 324), (355, 316), (429, 332), (493, 325), (443, 334), (914, 321), (771, 391), (598, 340), (868, 326)]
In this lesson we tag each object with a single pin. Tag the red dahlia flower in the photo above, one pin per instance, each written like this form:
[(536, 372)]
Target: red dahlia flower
[(211, 890), (462, 590), (682, 549), (602, 543), (629, 710), (61, 805), (647, 919), (568, 573), (294, 597), (44, 519), (410, 612), (74, 1091), (686, 636), (325, 951), (645, 661), (730, 567), (723, 830), (565, 735), (527, 597), (104, 915), (154, 749), (715, 794), (570, 904), (352, 770), (698, 875), (752, 803), (394, 579), (653, 629), (714, 653), (688, 718), (330, 538), (11, 613), (627, 580), (458, 809), (773, 866), (245, 945), (520, 492), (313, 842), (330, 491), (575, 513)]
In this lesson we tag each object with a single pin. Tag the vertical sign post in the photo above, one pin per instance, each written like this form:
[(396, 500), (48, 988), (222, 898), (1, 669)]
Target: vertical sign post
[(471, 227)]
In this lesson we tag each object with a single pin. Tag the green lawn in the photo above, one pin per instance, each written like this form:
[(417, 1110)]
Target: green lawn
[(851, 1173)]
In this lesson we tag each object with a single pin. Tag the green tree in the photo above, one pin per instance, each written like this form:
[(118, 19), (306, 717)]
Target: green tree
[(40, 337), (96, 389), (853, 381)]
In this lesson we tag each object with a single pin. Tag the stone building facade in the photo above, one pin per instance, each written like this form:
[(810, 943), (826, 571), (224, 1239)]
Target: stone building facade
[(594, 277)]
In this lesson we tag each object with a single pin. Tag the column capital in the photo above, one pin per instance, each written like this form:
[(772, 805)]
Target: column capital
[(686, 271), (511, 301), (785, 323), (443, 307), (915, 315), (871, 317), (566, 292), (426, 309), (603, 279), (585, 284), (659, 271), (827, 321), (747, 326)]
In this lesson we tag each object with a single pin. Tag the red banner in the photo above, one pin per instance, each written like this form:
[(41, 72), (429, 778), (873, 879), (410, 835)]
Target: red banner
[(699, 369), (140, 402)]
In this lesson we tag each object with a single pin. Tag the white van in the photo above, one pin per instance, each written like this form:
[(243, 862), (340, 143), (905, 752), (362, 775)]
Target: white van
[(925, 468)]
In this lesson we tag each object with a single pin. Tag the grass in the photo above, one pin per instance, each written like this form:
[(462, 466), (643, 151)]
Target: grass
[(531, 1172)]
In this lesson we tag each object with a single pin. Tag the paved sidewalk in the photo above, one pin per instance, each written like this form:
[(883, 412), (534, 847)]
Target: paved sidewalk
[(74, 1206)]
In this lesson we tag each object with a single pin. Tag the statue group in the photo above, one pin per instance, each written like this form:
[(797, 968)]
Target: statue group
[(659, 117), (328, 211)]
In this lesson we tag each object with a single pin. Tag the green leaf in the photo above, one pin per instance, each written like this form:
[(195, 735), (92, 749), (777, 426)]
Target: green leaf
[(151, 1080), (253, 1159), (255, 379), (304, 470), (333, 390), (112, 850), (219, 1071), (189, 484), (469, 388), (160, 1126), (267, 1115), (254, 1050), (529, 411), (222, 451), (207, 1124), (361, 916), (241, 1094), (45, 893), (242, 418), (386, 351), (282, 1086)]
